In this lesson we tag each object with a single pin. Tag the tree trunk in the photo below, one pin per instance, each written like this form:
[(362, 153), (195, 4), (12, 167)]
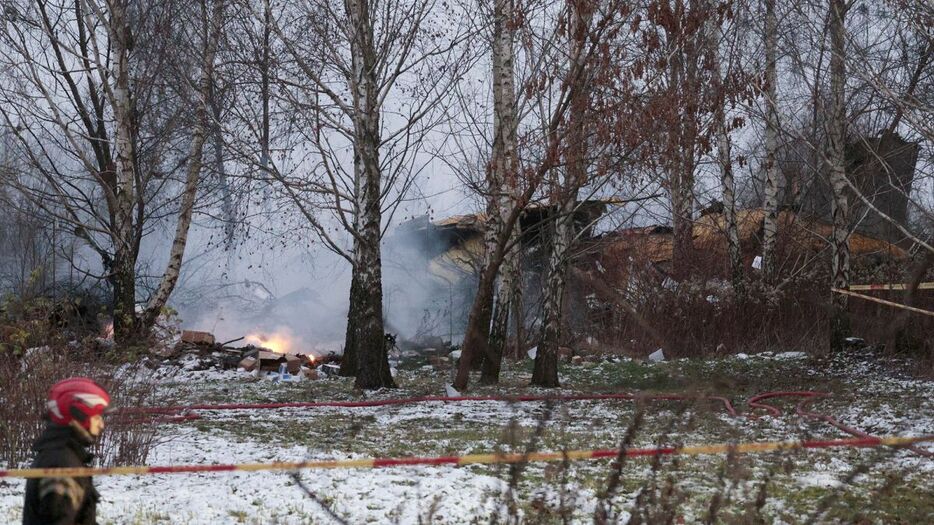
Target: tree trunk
[(499, 332), (545, 370), (123, 281), (349, 359), (518, 313), (193, 176), (264, 84), (507, 311), (681, 168), (682, 221), (126, 325), (836, 135), (504, 307), (503, 182), (228, 214), (724, 158), (737, 273), (476, 338), (770, 223), (492, 233), (372, 357)]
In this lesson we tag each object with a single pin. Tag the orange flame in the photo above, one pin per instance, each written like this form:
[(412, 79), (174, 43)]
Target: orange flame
[(276, 342)]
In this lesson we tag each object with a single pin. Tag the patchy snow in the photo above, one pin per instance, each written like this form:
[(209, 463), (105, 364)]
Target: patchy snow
[(791, 355), (819, 479), (358, 495), (881, 403)]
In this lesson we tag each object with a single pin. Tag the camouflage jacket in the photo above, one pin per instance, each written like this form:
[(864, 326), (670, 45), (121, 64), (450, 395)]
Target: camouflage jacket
[(60, 500)]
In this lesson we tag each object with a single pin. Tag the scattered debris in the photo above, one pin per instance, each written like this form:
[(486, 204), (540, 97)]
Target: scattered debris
[(197, 338), (271, 361), (197, 350), (657, 356), (423, 344), (329, 370), (248, 363)]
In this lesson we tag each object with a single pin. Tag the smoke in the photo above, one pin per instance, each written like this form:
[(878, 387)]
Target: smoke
[(265, 290), (419, 300), (301, 295), (278, 280)]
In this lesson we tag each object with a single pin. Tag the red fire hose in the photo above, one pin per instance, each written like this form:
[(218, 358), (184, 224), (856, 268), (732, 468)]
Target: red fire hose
[(802, 410)]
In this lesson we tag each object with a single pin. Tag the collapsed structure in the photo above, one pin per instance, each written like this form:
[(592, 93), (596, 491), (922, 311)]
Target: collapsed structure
[(443, 258), (442, 261)]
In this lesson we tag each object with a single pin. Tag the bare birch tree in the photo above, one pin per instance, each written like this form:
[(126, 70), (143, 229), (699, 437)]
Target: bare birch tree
[(564, 195), (836, 144), (770, 207), (554, 79), (87, 96), (503, 179), (370, 78), (722, 130), (857, 107), (211, 28), (675, 33)]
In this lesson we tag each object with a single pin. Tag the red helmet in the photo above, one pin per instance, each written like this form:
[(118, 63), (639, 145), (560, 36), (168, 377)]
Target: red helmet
[(76, 399)]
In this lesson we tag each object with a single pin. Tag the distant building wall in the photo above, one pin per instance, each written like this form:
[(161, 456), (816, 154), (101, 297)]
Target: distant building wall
[(883, 170)]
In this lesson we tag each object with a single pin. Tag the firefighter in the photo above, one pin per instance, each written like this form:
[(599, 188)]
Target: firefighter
[(76, 410)]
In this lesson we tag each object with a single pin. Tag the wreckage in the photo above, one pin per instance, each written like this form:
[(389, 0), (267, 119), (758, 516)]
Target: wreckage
[(444, 256), (250, 358)]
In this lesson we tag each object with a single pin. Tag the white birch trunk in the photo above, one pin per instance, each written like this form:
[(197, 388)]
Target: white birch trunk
[(681, 171), (503, 183), (545, 370), (349, 365), (724, 158), (836, 135), (373, 363), (193, 173), (770, 223), (126, 327)]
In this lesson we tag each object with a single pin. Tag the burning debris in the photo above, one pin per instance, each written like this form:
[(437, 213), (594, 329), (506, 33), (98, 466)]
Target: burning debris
[(280, 355), (269, 361), (280, 343), (275, 355)]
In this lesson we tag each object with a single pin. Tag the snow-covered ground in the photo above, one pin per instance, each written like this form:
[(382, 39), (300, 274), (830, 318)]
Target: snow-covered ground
[(866, 394)]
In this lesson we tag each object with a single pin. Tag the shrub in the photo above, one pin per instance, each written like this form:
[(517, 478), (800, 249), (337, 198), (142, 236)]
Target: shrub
[(27, 380)]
